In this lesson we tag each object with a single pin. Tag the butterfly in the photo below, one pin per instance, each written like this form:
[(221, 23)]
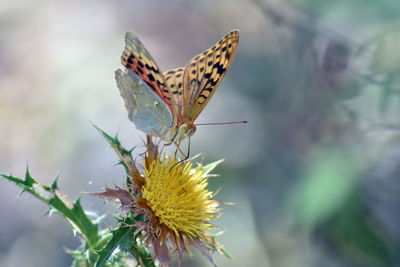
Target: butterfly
[(169, 103)]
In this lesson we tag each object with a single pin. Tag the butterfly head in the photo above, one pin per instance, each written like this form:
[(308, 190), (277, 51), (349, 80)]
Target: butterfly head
[(186, 130), (178, 133)]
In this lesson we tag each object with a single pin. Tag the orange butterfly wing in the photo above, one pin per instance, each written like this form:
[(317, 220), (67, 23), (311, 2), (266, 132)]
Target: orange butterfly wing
[(204, 73), (174, 79), (137, 59)]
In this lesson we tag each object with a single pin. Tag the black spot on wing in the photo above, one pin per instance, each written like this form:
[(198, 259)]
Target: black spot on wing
[(152, 68), (220, 68), (151, 77), (210, 84), (139, 70)]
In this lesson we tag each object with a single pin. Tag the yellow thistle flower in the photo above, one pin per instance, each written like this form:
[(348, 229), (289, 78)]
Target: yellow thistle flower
[(178, 197), (174, 203), (177, 204)]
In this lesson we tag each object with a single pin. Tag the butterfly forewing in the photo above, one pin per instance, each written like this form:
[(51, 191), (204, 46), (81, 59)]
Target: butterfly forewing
[(204, 72), (137, 59), (174, 79)]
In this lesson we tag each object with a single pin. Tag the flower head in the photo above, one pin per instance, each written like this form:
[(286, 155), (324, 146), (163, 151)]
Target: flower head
[(178, 197), (173, 202)]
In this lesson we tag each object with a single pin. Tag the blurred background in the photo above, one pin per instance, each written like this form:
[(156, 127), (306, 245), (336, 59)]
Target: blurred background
[(315, 174)]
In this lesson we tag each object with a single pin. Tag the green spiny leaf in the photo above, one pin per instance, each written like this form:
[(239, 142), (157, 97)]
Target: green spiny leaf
[(14, 180), (54, 185), (118, 236), (124, 155), (140, 252), (28, 178), (60, 203), (113, 141)]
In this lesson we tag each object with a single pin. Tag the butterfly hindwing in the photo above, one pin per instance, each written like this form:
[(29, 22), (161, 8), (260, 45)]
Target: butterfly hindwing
[(145, 108), (137, 59), (204, 72)]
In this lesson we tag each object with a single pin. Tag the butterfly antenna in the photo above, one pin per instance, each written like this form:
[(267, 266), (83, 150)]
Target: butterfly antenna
[(222, 123)]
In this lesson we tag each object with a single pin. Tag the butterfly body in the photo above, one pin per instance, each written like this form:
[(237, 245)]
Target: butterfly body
[(169, 103)]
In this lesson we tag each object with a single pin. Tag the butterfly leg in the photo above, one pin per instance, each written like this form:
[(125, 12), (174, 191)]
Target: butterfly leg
[(188, 152), (186, 156), (159, 136), (179, 149), (177, 144), (165, 144), (155, 132)]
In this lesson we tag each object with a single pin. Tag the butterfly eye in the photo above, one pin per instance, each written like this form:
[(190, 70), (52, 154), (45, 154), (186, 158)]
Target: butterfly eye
[(184, 128)]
